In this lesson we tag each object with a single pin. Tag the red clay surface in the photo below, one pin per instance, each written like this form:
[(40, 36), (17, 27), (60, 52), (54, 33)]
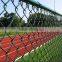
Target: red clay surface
[(11, 48)]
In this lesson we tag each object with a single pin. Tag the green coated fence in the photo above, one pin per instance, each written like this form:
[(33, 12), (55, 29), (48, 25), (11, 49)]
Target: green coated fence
[(28, 32)]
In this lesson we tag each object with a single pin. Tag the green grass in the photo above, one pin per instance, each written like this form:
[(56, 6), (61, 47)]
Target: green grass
[(50, 52)]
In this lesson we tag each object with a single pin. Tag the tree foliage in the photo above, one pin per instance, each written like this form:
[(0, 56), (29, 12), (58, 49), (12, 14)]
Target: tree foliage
[(12, 20), (34, 20), (42, 20)]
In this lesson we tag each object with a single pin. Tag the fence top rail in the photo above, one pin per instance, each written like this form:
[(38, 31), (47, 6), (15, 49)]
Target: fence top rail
[(37, 4)]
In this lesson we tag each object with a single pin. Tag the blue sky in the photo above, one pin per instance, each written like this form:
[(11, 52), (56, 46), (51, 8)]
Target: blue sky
[(48, 3)]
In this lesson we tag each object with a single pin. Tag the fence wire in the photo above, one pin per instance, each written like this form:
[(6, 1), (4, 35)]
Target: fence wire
[(21, 37)]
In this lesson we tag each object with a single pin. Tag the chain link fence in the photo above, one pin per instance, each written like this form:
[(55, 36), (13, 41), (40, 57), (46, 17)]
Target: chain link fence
[(22, 36)]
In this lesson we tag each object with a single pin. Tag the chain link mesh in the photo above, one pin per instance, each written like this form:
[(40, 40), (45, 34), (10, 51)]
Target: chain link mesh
[(21, 37)]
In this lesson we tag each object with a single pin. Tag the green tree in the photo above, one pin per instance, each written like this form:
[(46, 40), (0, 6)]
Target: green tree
[(36, 20), (42, 20), (4, 21), (12, 20)]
